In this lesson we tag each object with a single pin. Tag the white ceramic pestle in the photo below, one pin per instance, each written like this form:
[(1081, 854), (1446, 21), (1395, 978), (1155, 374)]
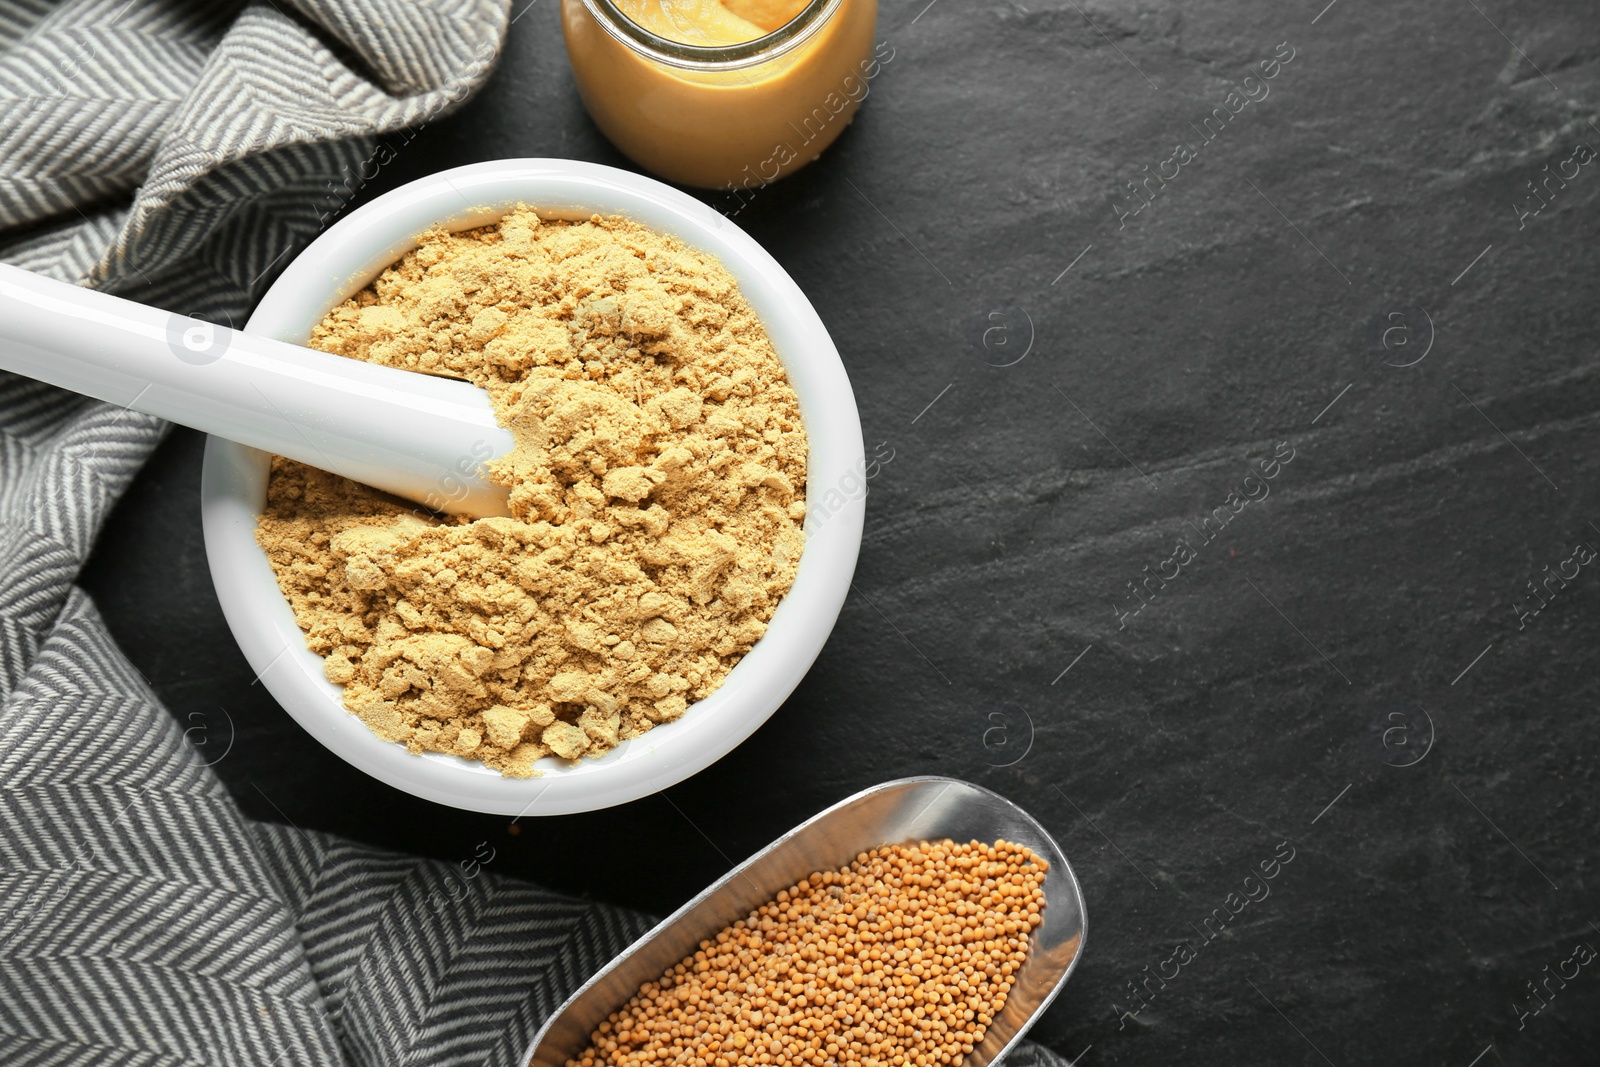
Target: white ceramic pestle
[(417, 436)]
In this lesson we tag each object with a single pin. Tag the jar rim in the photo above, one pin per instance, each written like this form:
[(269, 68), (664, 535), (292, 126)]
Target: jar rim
[(712, 57)]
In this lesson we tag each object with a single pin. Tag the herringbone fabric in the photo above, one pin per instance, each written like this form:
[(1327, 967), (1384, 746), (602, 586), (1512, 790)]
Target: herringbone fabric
[(176, 152)]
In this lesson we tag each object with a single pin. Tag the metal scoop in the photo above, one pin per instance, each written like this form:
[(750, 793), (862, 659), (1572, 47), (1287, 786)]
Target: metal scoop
[(900, 812)]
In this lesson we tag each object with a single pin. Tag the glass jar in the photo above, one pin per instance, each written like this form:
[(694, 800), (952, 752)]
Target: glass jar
[(730, 117)]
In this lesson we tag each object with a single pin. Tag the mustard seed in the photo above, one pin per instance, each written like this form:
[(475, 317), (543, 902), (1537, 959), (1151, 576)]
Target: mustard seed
[(903, 958)]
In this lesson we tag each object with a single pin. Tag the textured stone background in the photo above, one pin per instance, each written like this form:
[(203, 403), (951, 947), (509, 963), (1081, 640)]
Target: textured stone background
[(1296, 663)]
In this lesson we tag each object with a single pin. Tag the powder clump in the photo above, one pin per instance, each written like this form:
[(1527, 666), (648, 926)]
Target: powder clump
[(657, 492)]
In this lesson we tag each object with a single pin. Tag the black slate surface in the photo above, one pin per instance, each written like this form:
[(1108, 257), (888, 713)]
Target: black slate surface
[(1351, 270)]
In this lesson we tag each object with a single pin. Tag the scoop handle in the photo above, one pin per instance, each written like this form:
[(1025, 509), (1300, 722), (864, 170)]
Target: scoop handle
[(421, 437)]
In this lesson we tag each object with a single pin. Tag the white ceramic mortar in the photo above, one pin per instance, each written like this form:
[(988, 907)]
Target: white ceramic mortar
[(353, 252)]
